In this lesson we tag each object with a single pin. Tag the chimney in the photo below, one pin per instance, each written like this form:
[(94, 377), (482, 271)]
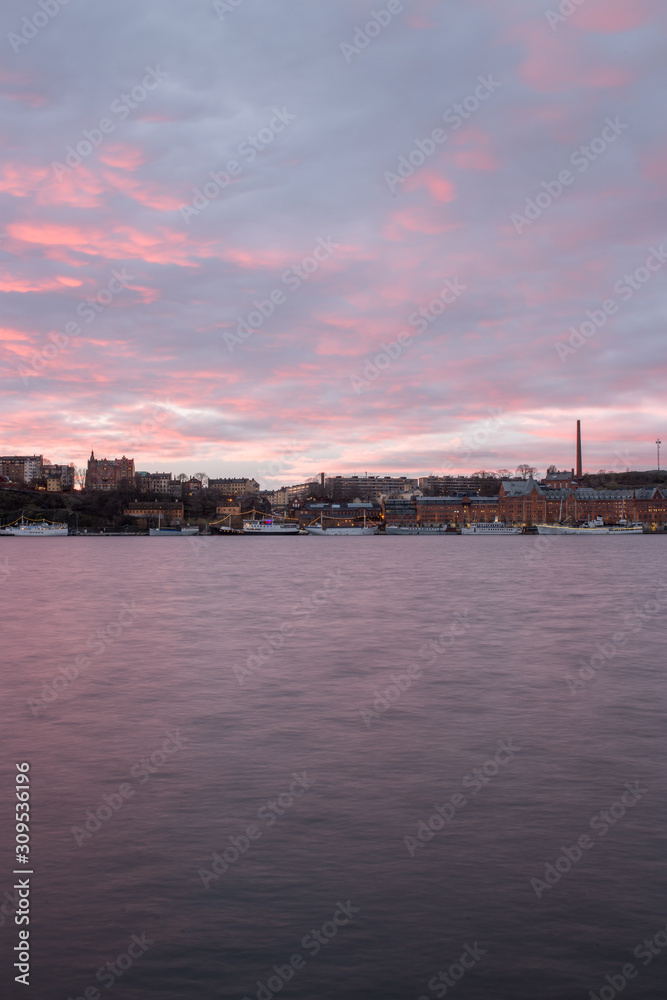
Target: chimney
[(322, 480), (579, 472)]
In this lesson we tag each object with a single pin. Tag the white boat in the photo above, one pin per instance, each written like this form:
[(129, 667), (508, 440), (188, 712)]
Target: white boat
[(595, 527), (35, 528), (491, 528), (353, 529), (267, 526), (170, 532)]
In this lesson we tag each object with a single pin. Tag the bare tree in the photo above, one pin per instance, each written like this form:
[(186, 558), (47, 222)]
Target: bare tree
[(525, 471), (80, 478)]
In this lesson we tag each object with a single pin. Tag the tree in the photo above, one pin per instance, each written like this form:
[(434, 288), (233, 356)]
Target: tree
[(525, 471), (80, 478)]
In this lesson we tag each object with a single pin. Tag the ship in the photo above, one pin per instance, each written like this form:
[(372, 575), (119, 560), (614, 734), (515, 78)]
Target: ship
[(42, 529), (173, 531), (267, 526), (352, 529), (220, 528), (491, 528), (596, 527)]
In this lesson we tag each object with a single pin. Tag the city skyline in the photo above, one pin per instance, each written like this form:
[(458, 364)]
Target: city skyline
[(203, 260)]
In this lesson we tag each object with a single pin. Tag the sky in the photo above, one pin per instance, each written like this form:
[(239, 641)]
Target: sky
[(281, 237)]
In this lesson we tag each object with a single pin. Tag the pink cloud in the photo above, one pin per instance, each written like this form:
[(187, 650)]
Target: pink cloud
[(415, 219), (439, 188), (554, 62), (123, 242), (122, 156), (610, 16)]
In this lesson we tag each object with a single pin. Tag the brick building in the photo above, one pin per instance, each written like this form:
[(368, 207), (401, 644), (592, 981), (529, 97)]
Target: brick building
[(529, 502), (109, 473), (167, 511), (21, 468), (59, 478), (432, 511), (233, 487), (156, 482), (367, 488)]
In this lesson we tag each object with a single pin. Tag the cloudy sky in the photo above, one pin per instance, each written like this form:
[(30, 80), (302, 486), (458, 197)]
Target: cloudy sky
[(279, 237)]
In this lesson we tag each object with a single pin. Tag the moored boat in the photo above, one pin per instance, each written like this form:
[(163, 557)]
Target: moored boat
[(267, 526), (169, 532), (596, 527), (491, 528), (35, 529), (351, 529)]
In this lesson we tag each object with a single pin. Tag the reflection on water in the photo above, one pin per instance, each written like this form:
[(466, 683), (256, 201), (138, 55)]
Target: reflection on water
[(360, 767)]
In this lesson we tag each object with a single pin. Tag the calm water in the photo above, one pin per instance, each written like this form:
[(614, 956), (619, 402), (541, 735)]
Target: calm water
[(174, 637)]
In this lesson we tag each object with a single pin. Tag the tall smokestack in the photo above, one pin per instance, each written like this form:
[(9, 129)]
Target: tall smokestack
[(322, 479), (579, 472)]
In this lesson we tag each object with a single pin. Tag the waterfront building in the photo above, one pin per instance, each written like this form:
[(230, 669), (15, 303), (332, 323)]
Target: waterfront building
[(233, 487), (168, 511), (529, 502), (334, 515), (21, 468), (401, 513), (560, 480), (109, 473), (154, 482), (368, 488), (59, 478), (433, 511), (448, 485)]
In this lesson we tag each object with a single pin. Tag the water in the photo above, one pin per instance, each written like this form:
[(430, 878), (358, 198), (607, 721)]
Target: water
[(167, 629)]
